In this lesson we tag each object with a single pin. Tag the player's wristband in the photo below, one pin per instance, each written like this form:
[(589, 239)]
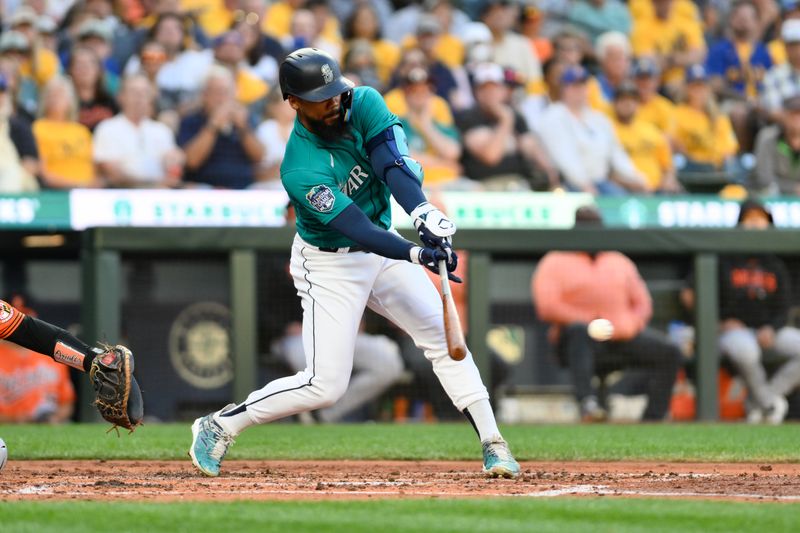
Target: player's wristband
[(414, 255)]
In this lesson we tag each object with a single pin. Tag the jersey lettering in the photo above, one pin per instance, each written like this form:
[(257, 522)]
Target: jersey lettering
[(356, 180)]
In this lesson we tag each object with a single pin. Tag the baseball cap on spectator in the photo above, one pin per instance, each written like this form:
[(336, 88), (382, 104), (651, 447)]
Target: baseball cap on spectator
[(25, 15), (645, 67), (626, 88), (46, 25), (428, 25), (486, 5), (790, 31), (475, 32), (751, 204), (588, 216), (14, 41), (94, 28), (696, 73), (574, 74), (488, 73), (229, 37)]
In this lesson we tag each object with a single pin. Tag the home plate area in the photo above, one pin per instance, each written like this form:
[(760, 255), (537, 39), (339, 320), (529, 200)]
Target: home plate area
[(316, 480)]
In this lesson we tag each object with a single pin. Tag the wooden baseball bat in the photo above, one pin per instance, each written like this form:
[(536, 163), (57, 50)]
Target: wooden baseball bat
[(456, 346)]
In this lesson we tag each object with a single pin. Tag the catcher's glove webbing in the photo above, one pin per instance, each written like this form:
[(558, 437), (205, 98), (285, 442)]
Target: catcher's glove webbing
[(118, 397)]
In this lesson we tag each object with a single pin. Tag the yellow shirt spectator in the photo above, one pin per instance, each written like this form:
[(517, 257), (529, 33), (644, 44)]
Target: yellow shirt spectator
[(777, 51), (643, 9), (657, 37), (387, 56), (249, 87), (46, 66), (449, 49), (597, 100), (440, 110), (65, 150), (212, 15), (278, 23), (647, 147), (703, 139), (658, 111)]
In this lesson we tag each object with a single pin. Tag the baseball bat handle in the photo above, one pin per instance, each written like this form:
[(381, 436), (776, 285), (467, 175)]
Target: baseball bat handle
[(456, 346)]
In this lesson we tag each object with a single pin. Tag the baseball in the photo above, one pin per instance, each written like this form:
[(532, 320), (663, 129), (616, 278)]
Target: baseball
[(600, 329), (3, 454)]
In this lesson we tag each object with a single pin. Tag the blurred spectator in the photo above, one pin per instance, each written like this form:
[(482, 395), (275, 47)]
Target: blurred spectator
[(33, 388), (263, 53), (383, 9), (570, 289), (429, 33), (305, 32), (430, 130), (647, 147), (597, 17), (569, 48), (510, 49), (364, 26), (754, 293), (152, 58), (221, 148), (702, 133), (653, 107), (436, 25), (783, 81), (671, 35), (613, 51), (229, 53), (736, 66), (95, 102), (582, 142), (40, 64), (499, 150), (531, 20), (180, 77), (273, 134), (64, 144), (405, 21), (14, 176), (15, 49), (777, 153), (441, 77), (96, 36), (279, 21), (790, 10), (534, 106), (48, 34), (361, 63), (131, 149), (19, 124)]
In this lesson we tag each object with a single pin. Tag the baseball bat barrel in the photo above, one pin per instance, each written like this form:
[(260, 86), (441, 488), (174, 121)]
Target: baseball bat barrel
[(456, 346)]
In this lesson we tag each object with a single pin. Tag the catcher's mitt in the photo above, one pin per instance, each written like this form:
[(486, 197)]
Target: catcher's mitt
[(118, 397)]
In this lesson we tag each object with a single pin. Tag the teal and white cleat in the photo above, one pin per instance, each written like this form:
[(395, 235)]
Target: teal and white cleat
[(209, 443), (497, 459)]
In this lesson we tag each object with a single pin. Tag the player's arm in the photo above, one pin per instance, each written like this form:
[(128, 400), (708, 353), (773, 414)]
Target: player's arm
[(388, 153), (354, 224)]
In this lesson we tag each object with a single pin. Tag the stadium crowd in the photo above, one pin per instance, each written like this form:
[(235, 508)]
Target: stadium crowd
[(602, 96)]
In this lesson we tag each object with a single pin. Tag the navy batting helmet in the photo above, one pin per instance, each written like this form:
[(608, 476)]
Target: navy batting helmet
[(313, 75)]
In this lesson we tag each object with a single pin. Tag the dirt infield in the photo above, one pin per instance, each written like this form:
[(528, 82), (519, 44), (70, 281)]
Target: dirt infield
[(315, 480)]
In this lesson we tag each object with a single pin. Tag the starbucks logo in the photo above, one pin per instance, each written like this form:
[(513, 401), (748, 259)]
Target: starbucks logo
[(200, 345)]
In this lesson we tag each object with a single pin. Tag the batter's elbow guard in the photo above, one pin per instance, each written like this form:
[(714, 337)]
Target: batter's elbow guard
[(389, 149)]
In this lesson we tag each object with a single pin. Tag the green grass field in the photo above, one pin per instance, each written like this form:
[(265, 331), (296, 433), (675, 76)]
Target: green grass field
[(692, 442)]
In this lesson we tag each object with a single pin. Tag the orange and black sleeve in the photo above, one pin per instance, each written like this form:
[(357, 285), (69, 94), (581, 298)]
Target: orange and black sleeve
[(10, 319)]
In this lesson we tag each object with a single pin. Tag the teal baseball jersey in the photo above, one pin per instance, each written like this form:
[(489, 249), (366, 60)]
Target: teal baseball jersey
[(324, 177)]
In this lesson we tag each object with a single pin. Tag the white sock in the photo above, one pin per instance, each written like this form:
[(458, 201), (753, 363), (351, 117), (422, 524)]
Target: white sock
[(483, 418), (234, 424)]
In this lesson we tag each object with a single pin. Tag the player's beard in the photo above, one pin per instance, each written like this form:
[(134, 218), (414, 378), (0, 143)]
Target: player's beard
[(329, 132)]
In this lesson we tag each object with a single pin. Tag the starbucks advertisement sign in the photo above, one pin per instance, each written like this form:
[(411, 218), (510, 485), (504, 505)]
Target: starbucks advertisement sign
[(83, 208)]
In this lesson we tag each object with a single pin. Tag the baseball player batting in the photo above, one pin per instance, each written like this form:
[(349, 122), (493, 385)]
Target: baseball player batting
[(346, 155)]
